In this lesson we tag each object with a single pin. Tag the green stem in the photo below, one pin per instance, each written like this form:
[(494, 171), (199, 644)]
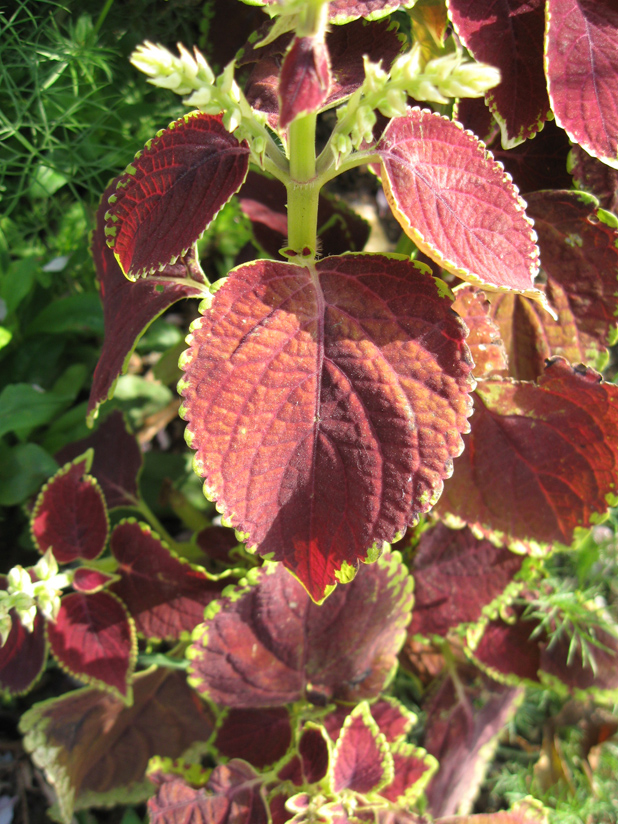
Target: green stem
[(303, 188), (103, 15)]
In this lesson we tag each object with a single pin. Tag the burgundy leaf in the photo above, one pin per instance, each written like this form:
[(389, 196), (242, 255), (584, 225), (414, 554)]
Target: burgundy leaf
[(314, 754), (304, 81), (494, 32), (165, 595), (511, 649), (93, 639), (70, 516), (129, 308), (413, 768), (361, 761), (264, 201), (346, 45), (393, 719), (325, 404), (568, 664), (233, 795), (260, 737), (461, 726), (582, 73), (91, 580), (269, 645), (594, 177), (486, 345), (171, 192), (455, 576), (95, 749), (117, 459), (217, 543), (456, 203), (540, 459), (23, 654), (475, 115)]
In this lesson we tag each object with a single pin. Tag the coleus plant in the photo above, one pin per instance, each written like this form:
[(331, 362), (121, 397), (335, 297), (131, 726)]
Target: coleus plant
[(327, 394)]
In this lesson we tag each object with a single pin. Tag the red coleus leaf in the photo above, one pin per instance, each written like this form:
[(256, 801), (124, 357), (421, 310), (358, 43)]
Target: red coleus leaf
[(579, 260), (325, 404), (264, 201), (309, 764), (117, 459), (540, 459), (456, 203), (129, 308), (260, 737), (494, 33), (91, 580), (70, 516), (412, 770), (462, 722), (581, 45), (361, 761), (95, 750), (486, 345), (93, 639), (455, 576), (23, 654), (172, 191), (233, 795), (346, 45), (268, 644), (165, 595), (511, 649), (304, 81)]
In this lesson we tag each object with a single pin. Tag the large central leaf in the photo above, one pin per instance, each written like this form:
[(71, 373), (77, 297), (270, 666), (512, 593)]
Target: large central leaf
[(326, 404)]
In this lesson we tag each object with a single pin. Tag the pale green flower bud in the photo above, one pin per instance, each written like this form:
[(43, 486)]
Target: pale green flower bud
[(151, 59), (189, 65), (204, 72), (199, 99), (19, 581), (47, 567), (232, 118), (408, 66), (49, 604), (27, 616), (474, 79), (394, 105), (375, 77), (6, 625)]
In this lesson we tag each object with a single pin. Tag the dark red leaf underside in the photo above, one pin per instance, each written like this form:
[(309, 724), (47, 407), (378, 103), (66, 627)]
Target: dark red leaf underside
[(165, 596), (495, 33), (361, 761), (93, 639), (314, 753), (103, 747), (117, 459), (459, 731), (455, 576), (90, 580), (264, 201), (475, 115), (581, 47), (172, 191), (346, 45), (129, 308), (325, 406), (540, 459), (233, 795), (456, 203), (270, 645), (304, 80), (595, 177), (486, 345), (23, 654), (70, 516), (260, 737)]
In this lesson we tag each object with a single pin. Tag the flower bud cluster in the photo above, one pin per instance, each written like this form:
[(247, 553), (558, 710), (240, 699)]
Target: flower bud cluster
[(28, 594), (192, 77), (437, 81)]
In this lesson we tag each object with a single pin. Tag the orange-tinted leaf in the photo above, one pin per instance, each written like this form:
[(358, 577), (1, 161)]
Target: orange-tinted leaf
[(486, 345), (541, 459), (456, 203), (325, 404), (95, 750), (581, 47), (172, 191)]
